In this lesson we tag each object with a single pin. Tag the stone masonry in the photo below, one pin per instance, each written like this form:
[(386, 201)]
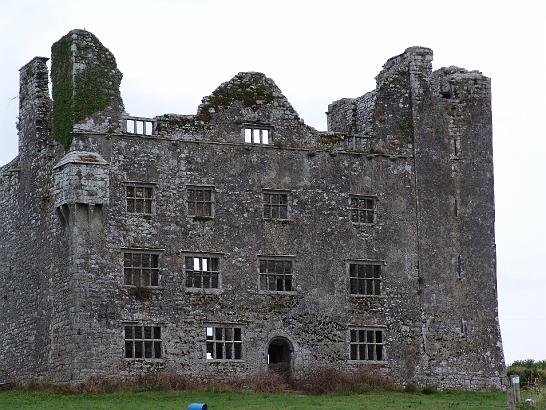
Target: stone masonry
[(240, 239)]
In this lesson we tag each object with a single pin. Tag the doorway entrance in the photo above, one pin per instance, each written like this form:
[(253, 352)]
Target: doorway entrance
[(279, 356)]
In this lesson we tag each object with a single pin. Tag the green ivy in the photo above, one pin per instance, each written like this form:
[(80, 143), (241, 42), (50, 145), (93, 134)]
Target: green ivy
[(77, 96), (406, 127), (61, 76)]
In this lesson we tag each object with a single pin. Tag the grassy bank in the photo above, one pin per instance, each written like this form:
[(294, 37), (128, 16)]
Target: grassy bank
[(21, 399)]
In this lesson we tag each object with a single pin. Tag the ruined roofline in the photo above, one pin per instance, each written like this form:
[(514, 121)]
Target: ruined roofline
[(38, 58), (87, 98)]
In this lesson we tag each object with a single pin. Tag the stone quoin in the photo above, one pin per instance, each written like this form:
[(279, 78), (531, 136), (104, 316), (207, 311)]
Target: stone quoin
[(240, 239)]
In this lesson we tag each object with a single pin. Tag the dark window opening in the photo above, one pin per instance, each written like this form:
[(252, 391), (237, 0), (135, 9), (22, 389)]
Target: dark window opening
[(202, 272), (142, 342), (200, 201), (223, 343), (362, 209), (275, 205), (139, 198), (367, 344), (275, 274), (140, 269), (365, 278)]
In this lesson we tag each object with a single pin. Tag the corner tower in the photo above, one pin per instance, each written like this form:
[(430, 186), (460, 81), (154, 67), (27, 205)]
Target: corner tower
[(86, 83)]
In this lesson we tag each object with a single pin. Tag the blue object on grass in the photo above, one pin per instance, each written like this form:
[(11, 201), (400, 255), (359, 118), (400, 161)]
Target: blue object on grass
[(197, 406)]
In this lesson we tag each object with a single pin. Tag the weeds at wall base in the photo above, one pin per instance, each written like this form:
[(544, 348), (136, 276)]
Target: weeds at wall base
[(316, 381)]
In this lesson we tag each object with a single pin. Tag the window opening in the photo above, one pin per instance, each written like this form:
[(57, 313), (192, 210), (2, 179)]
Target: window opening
[(202, 272), (367, 344), (365, 278), (200, 201), (358, 142), (275, 205), (460, 266), (275, 274), (224, 342), (141, 269), (142, 342), (256, 136), (456, 142), (362, 209), (464, 328), (139, 198), (139, 126)]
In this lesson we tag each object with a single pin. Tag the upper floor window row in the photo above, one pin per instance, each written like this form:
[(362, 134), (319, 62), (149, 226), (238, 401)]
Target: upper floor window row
[(141, 268), (200, 202)]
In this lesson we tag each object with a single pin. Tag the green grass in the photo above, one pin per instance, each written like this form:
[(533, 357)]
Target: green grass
[(234, 400)]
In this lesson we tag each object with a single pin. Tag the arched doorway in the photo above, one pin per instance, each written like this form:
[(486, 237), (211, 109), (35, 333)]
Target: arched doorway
[(279, 356)]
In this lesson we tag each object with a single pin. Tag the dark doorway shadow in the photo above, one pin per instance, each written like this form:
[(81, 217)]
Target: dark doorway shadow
[(279, 357)]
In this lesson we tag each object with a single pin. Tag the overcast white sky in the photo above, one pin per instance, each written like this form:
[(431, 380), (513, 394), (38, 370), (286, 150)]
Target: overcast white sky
[(173, 53)]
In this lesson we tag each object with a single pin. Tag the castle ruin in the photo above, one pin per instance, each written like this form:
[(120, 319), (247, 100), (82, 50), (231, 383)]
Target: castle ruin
[(240, 239)]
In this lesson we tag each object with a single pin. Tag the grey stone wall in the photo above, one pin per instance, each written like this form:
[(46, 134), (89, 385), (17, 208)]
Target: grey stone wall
[(427, 161)]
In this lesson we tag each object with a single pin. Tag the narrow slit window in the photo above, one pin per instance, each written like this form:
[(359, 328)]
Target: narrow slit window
[(460, 266), (456, 142), (149, 128), (139, 127), (464, 328), (248, 135)]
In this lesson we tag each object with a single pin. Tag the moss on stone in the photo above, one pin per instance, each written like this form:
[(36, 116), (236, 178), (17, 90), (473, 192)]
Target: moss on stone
[(62, 80), (406, 127), (169, 123), (88, 158), (79, 94), (251, 90), (95, 86), (331, 139)]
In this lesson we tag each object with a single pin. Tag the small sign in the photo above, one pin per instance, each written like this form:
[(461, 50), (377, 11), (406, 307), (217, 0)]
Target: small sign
[(515, 379)]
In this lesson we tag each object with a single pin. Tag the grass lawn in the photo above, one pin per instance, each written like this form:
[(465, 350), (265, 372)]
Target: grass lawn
[(234, 400)]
